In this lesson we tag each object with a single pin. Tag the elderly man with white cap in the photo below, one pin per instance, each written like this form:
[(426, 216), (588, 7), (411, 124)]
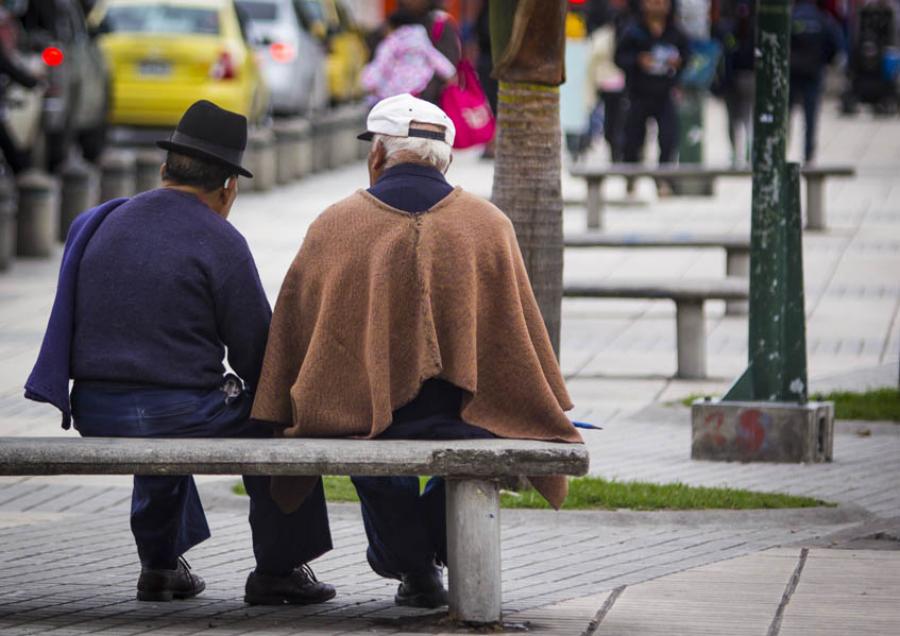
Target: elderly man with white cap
[(408, 314)]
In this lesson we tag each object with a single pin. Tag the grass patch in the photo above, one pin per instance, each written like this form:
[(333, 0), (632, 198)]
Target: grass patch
[(593, 493), (877, 405)]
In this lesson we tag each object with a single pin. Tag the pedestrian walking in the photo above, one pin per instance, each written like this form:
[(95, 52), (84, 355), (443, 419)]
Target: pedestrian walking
[(815, 42), (653, 51), (405, 61), (608, 79), (735, 83), (12, 71)]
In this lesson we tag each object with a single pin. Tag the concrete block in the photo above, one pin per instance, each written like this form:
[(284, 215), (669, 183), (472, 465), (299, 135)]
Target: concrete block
[(38, 214), (287, 152), (362, 147), (261, 159), (762, 431), (8, 198), (79, 193), (117, 174), (305, 148), (147, 165), (322, 131)]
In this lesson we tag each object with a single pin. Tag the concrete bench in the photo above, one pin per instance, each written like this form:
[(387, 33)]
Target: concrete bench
[(471, 468), (736, 246), (594, 175), (689, 296)]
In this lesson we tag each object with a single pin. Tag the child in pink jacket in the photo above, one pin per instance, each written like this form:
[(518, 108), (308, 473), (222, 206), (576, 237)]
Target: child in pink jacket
[(405, 61)]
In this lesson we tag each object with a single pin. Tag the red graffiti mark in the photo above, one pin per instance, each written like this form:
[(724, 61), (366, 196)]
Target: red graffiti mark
[(752, 429), (713, 424)]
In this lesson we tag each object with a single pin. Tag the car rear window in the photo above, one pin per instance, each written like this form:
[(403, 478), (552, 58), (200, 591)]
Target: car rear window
[(259, 11), (155, 18)]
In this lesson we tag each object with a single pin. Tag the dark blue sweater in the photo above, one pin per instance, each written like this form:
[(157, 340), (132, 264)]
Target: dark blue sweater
[(411, 187), (164, 286)]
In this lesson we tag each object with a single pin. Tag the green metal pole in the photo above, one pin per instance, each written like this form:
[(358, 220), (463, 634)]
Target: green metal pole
[(777, 333), (769, 163)]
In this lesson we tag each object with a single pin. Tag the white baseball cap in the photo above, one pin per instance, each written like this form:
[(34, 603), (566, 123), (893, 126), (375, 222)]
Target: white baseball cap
[(393, 115)]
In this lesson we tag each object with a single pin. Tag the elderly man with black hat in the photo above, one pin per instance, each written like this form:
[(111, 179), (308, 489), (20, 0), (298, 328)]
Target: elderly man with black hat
[(407, 314), (153, 290)]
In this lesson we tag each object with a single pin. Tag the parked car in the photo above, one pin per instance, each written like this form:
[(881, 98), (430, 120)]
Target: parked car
[(165, 55), (347, 52), (77, 97), (292, 58)]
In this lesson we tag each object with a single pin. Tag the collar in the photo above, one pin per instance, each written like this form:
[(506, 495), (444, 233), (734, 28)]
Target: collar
[(412, 170)]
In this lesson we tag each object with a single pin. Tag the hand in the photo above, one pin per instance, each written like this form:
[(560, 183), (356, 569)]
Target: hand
[(646, 61)]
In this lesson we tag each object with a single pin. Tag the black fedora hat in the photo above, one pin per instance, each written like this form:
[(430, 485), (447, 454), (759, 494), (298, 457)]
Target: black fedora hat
[(209, 132)]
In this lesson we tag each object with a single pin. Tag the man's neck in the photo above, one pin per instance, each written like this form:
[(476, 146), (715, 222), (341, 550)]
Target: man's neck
[(207, 198), (656, 26)]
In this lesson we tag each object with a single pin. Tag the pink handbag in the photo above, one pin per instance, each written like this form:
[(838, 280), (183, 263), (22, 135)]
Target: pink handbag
[(468, 108)]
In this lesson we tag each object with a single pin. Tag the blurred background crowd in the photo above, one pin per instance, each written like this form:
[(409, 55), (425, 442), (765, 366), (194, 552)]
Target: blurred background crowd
[(77, 75)]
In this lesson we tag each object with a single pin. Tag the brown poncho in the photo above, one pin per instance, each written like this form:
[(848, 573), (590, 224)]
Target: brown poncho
[(378, 300)]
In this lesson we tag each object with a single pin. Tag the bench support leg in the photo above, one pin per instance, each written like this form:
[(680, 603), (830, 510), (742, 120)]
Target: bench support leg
[(473, 549), (690, 339), (737, 265), (595, 204), (815, 203)]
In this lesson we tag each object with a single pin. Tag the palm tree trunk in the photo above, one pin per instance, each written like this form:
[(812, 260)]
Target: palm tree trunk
[(527, 187)]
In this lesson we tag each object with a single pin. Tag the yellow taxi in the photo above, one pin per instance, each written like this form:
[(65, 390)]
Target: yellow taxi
[(166, 54), (347, 51)]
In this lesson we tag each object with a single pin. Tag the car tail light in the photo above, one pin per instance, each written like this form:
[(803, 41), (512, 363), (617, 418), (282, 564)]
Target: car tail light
[(224, 68), (52, 56), (283, 52)]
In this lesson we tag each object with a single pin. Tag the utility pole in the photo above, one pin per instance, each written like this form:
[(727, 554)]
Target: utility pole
[(765, 415)]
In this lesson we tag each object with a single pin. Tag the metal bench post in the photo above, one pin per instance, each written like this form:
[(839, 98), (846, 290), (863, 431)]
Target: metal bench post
[(737, 264), (690, 339), (815, 202), (594, 203), (473, 549)]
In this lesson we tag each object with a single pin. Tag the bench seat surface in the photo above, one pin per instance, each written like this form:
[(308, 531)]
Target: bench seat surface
[(157, 456), (731, 288), (694, 170), (673, 239)]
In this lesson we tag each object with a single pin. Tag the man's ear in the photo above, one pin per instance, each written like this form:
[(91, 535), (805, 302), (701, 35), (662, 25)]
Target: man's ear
[(162, 171), (449, 163), (230, 186), (380, 155)]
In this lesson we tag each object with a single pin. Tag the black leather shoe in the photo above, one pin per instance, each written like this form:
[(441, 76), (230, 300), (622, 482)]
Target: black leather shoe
[(300, 587), (422, 590), (165, 585)]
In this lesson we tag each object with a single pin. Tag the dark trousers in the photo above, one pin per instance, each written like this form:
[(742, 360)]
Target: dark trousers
[(642, 108), (406, 528), (613, 105), (167, 517), (807, 91)]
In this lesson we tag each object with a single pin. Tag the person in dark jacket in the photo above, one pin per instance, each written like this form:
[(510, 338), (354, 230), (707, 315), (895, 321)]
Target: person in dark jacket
[(165, 287), (652, 51), (737, 82), (12, 71), (815, 41)]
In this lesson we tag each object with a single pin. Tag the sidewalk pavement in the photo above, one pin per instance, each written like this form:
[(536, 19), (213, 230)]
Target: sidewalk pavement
[(67, 563)]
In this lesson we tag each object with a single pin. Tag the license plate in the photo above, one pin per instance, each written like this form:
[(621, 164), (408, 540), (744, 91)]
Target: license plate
[(154, 68)]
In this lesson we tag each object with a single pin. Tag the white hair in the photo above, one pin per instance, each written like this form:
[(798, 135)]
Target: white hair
[(431, 151)]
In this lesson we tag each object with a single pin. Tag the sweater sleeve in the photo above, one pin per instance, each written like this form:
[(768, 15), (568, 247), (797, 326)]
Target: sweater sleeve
[(15, 72), (627, 52), (243, 315)]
